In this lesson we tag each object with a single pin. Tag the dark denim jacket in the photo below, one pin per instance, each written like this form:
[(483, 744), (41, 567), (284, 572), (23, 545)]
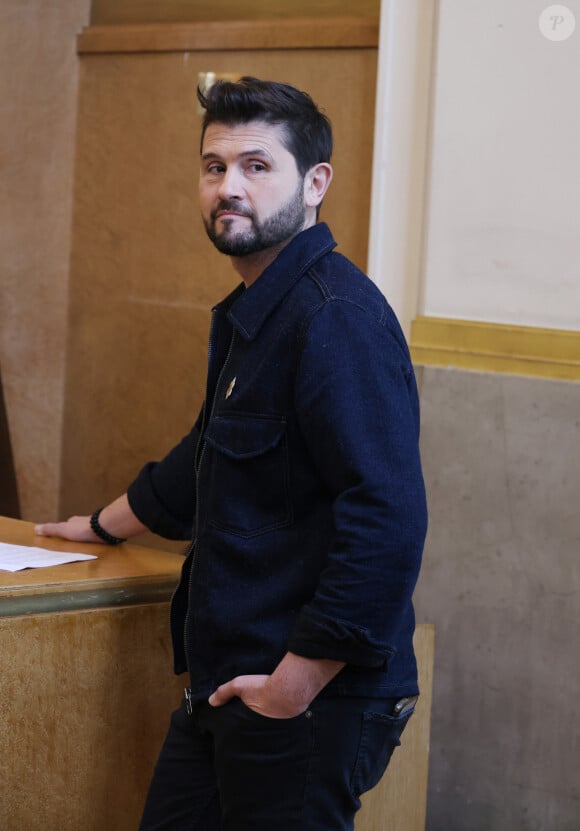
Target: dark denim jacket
[(310, 512)]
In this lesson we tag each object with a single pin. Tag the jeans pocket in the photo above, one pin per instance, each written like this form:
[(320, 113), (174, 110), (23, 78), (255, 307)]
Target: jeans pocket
[(267, 721), (262, 766), (380, 735)]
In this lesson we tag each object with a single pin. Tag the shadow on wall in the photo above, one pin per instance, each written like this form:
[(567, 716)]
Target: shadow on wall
[(8, 492)]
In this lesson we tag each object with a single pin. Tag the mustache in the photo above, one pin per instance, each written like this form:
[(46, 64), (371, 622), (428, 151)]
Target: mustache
[(230, 205)]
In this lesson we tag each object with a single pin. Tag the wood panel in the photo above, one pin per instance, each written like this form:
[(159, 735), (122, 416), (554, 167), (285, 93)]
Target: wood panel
[(39, 72), (176, 11), (143, 274), (86, 698), (344, 32), (85, 695), (399, 801)]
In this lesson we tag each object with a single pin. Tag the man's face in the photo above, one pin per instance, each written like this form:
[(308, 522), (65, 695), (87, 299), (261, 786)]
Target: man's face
[(251, 194)]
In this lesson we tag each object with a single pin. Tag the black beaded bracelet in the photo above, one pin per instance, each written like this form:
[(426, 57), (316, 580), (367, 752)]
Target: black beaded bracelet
[(100, 531)]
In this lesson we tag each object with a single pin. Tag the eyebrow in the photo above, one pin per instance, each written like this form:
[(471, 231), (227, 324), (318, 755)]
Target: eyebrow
[(246, 153)]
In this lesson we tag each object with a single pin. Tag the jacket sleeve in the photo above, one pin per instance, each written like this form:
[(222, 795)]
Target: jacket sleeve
[(163, 494), (358, 409)]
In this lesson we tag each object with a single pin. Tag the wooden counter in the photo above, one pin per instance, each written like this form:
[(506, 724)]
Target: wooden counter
[(87, 687), (86, 684), (121, 576)]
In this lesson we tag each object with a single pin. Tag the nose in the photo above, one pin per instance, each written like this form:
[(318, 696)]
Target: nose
[(231, 184)]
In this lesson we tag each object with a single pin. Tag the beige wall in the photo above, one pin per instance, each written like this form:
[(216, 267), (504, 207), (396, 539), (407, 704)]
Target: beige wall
[(503, 231), (38, 72), (476, 213)]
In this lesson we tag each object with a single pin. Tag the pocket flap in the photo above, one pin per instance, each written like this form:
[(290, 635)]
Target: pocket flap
[(244, 437)]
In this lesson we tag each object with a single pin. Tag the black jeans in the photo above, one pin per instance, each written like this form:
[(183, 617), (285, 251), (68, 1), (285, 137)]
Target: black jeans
[(231, 769)]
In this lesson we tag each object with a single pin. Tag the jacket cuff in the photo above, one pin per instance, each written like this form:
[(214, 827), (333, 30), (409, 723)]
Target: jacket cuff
[(317, 636), (149, 510)]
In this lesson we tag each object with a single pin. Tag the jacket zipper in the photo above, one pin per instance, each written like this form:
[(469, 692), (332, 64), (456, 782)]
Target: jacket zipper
[(191, 547), (199, 454)]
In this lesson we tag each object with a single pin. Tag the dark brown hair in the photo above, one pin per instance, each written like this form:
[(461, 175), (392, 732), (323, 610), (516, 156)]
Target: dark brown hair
[(307, 131)]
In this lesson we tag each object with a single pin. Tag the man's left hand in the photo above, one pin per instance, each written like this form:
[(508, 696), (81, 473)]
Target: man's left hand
[(286, 693), (258, 693)]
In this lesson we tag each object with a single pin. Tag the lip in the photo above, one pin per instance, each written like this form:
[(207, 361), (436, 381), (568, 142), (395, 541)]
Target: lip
[(227, 214)]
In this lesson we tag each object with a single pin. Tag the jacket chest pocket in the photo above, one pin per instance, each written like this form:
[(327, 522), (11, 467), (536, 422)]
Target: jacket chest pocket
[(248, 486)]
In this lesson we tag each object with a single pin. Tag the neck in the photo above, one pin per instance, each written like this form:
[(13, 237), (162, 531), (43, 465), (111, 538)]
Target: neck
[(251, 266)]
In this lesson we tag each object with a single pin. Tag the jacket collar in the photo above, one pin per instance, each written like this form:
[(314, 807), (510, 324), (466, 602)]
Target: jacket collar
[(249, 309)]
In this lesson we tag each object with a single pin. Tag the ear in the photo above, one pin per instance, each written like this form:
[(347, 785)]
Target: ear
[(316, 183)]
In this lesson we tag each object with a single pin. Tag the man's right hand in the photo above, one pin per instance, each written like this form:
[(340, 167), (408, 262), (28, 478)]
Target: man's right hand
[(77, 528), (117, 518)]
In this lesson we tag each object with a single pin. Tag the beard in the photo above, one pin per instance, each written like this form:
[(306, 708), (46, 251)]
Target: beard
[(274, 230)]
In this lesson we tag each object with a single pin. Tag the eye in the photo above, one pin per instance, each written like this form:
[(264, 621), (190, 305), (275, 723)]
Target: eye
[(215, 168), (257, 167)]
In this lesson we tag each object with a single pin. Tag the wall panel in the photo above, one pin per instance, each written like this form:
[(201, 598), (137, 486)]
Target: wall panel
[(38, 77), (85, 709), (174, 11), (143, 274), (501, 583)]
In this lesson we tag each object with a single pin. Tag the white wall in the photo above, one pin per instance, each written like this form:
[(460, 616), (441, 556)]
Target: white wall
[(502, 231)]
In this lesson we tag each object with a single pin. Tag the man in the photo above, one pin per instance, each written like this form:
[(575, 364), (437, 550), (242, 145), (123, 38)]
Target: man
[(302, 481)]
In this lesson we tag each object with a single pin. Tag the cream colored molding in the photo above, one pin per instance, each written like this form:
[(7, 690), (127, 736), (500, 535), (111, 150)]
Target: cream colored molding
[(496, 347), (401, 142)]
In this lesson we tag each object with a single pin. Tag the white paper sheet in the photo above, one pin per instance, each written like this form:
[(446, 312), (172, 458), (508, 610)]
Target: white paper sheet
[(17, 557)]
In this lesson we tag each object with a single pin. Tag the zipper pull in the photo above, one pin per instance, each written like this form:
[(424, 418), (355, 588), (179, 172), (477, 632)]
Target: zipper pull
[(188, 701)]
